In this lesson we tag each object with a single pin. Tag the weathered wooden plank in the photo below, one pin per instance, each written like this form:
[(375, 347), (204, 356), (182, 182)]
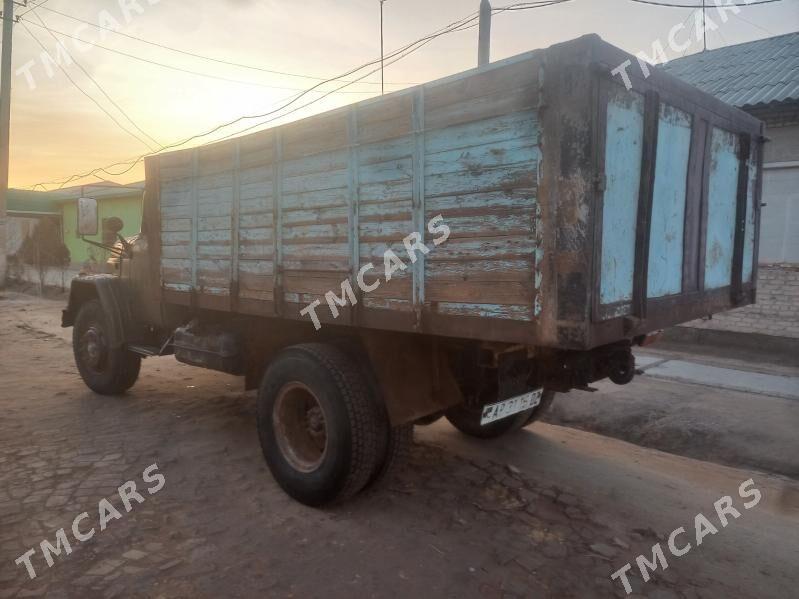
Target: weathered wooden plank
[(312, 282), (388, 119), (213, 223), (386, 151), (721, 209), (176, 224), (315, 182), (492, 248), (623, 148), (318, 163), (475, 109), (322, 198), (325, 233), (317, 216), (517, 176), (666, 240), (249, 205), (476, 159), (400, 169), (483, 271), (175, 251), (256, 234), (381, 230), (392, 191), (509, 224), (483, 202), (506, 127), (384, 303), (486, 310), (509, 293), (507, 80), (323, 133), (316, 251)]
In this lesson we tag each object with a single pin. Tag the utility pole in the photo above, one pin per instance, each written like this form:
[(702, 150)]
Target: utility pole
[(484, 43), (382, 73), (704, 27), (5, 126)]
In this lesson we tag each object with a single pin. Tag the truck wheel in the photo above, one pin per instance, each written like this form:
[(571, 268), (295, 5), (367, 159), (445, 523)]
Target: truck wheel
[(322, 431), (105, 370), (400, 439), (467, 420)]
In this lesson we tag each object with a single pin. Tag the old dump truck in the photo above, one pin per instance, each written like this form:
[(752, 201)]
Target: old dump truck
[(467, 247)]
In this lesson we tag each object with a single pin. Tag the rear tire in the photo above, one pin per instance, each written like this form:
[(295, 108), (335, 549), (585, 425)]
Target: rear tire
[(322, 432), (467, 420), (400, 439), (546, 400), (105, 370)]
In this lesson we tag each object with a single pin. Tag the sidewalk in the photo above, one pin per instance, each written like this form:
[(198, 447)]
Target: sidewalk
[(691, 371), (738, 411)]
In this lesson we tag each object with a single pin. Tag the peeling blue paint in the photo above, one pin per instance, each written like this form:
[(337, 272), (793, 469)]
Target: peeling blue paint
[(721, 208), (623, 148), (668, 203), (749, 232)]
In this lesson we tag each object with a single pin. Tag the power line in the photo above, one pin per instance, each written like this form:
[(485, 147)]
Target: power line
[(763, 29), (462, 24), (34, 7), (100, 87), (201, 56), (131, 163), (180, 69), (667, 5), (81, 90)]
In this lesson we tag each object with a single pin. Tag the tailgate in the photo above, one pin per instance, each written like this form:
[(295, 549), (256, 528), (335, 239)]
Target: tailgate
[(678, 205)]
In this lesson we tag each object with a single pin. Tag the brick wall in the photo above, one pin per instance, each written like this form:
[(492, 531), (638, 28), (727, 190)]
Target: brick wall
[(775, 313)]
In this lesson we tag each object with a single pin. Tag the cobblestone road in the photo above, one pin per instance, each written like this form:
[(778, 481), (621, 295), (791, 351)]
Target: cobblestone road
[(446, 526)]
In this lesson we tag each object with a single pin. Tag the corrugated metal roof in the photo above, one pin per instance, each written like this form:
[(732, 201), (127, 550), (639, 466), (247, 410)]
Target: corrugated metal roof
[(745, 75)]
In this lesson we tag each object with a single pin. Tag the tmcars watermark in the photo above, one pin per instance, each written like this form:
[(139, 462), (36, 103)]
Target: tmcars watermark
[(106, 21), (702, 527), (391, 264), (106, 513), (703, 22)]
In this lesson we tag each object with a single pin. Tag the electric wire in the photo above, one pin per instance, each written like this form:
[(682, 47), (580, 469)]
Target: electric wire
[(202, 56), (82, 91), (667, 5), (462, 24), (97, 84), (177, 68)]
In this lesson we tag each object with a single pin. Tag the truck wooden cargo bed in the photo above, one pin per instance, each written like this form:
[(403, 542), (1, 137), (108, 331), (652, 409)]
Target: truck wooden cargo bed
[(581, 212)]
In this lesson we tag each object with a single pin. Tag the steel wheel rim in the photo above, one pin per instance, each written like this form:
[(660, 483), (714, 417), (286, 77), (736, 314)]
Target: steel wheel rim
[(93, 349), (300, 427)]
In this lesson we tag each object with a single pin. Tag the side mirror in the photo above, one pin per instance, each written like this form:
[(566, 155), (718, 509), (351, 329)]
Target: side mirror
[(87, 216)]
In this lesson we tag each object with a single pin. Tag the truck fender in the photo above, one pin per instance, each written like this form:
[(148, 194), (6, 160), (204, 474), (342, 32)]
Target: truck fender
[(108, 289)]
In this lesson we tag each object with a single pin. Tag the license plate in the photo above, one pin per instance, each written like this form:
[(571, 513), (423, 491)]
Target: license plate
[(509, 407)]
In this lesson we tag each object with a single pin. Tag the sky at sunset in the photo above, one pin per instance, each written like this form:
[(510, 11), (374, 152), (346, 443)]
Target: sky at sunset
[(57, 131)]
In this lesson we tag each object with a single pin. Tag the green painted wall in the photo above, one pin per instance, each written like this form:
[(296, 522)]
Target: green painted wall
[(128, 208)]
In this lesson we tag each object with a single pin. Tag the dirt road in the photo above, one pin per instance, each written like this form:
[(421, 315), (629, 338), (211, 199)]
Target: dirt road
[(548, 512)]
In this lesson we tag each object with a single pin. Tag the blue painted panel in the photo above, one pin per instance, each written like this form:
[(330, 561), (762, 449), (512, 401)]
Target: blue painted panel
[(668, 203), (722, 191), (623, 147), (749, 232)]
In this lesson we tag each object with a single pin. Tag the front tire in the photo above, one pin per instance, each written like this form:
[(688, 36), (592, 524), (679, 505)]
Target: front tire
[(105, 370), (322, 432)]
